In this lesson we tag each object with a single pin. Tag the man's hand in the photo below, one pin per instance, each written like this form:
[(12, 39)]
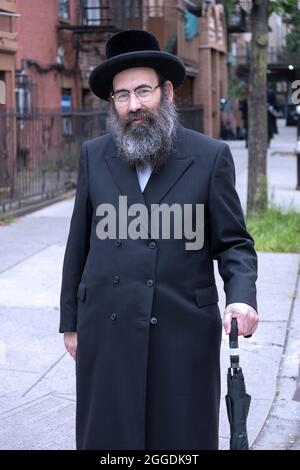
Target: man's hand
[(247, 318), (70, 340)]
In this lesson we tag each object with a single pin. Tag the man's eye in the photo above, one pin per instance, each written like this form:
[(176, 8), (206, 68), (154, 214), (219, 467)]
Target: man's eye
[(122, 96), (144, 91)]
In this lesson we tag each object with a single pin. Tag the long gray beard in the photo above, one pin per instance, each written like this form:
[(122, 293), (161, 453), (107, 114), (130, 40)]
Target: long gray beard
[(151, 140)]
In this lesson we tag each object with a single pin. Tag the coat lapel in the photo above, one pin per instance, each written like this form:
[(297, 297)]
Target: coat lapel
[(125, 179), (161, 183), (127, 182)]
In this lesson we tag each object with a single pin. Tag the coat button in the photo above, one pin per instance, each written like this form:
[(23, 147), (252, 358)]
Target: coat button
[(150, 283), (116, 279), (118, 242), (113, 316), (153, 320), (152, 245)]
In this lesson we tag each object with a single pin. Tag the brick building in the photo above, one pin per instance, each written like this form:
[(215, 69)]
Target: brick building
[(58, 50), (8, 48), (43, 75), (198, 36), (47, 52)]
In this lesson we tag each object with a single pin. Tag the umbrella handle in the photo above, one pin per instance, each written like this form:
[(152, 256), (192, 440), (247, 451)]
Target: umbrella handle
[(233, 335), (234, 345)]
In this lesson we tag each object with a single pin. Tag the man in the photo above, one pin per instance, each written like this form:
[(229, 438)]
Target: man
[(139, 313)]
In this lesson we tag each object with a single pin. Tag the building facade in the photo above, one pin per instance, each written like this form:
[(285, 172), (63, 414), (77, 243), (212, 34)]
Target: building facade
[(8, 49), (57, 51), (198, 37), (47, 52), (46, 78), (283, 64)]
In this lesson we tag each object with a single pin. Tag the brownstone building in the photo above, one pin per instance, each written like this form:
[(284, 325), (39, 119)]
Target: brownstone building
[(44, 73), (198, 37), (47, 52), (58, 50), (8, 48)]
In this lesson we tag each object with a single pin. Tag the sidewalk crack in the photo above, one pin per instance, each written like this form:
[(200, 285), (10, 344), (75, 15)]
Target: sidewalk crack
[(44, 375)]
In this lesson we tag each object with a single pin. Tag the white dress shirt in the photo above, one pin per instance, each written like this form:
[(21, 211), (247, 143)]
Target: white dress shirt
[(143, 175)]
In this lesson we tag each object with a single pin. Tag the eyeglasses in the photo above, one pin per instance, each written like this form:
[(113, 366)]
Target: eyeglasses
[(143, 93)]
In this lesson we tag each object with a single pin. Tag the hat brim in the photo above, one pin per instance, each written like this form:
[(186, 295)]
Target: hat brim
[(170, 66)]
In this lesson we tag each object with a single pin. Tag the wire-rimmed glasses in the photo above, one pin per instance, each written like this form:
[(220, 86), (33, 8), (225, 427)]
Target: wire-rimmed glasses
[(143, 93)]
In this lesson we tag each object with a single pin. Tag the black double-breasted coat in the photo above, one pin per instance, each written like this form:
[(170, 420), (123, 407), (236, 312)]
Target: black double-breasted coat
[(145, 310)]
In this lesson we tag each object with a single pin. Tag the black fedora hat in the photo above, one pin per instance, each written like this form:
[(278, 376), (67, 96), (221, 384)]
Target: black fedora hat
[(134, 48)]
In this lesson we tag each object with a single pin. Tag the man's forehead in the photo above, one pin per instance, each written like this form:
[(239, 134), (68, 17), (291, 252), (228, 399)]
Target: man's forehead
[(133, 76)]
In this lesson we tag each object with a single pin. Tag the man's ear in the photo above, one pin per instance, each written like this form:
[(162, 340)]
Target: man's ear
[(169, 90)]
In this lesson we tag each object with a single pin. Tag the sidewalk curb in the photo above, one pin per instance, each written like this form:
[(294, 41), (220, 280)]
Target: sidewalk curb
[(20, 212), (269, 428)]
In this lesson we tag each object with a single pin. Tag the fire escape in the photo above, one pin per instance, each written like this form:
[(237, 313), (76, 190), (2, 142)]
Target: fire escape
[(239, 16), (103, 16), (238, 23), (96, 20)]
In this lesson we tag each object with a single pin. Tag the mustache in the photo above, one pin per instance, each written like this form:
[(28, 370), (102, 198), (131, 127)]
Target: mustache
[(146, 116)]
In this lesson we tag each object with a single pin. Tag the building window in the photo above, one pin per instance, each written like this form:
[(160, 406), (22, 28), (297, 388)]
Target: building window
[(92, 12), (2, 88), (6, 23), (66, 108), (156, 8), (133, 9), (64, 9)]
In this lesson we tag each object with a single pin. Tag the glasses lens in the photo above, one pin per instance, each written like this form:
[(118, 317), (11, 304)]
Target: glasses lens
[(143, 93), (121, 96)]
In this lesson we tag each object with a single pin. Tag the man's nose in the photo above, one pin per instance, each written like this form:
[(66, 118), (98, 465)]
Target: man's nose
[(133, 104)]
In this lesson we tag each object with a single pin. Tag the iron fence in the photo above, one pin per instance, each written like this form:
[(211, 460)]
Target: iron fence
[(39, 153)]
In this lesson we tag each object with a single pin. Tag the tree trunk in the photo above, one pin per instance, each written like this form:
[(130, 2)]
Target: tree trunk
[(257, 110)]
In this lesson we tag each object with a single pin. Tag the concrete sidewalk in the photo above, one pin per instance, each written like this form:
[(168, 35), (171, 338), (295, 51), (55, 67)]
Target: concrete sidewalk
[(37, 405), (281, 168)]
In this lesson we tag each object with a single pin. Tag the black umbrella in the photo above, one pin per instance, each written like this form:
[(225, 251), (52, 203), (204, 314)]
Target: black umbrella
[(237, 400)]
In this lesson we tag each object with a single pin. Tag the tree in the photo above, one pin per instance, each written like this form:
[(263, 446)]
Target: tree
[(257, 199)]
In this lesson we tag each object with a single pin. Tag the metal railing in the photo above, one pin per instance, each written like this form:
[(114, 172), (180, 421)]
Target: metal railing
[(39, 153), (282, 56), (276, 57), (110, 15)]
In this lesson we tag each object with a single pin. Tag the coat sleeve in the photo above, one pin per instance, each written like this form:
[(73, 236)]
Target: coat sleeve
[(77, 248), (232, 246)]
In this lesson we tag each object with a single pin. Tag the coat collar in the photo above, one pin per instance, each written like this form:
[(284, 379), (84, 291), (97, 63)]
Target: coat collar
[(159, 184)]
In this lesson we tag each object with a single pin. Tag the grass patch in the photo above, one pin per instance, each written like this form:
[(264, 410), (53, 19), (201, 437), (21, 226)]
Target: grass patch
[(275, 231), (5, 219)]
